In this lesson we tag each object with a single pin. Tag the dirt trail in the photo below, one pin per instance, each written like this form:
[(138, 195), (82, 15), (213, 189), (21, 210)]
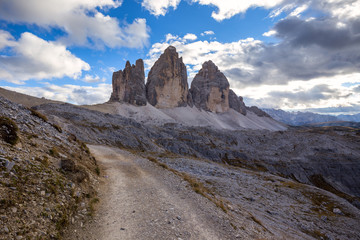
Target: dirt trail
[(141, 200)]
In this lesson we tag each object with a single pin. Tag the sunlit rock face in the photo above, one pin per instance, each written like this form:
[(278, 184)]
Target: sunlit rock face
[(210, 89), (129, 84), (167, 85)]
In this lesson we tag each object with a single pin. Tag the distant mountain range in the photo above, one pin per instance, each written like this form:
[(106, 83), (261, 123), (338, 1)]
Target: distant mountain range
[(309, 118)]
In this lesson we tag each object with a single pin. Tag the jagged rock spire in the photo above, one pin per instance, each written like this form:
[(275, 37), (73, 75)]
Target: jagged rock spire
[(167, 85), (129, 84), (210, 89)]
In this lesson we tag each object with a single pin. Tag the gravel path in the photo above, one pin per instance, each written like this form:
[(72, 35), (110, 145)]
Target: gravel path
[(141, 200)]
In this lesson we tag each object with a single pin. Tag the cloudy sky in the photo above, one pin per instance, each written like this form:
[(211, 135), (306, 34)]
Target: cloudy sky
[(276, 53)]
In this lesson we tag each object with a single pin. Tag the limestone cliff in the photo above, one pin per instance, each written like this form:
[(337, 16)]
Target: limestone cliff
[(236, 103), (129, 84), (167, 85), (210, 89)]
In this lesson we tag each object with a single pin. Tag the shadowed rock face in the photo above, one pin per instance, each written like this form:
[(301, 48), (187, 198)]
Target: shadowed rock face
[(129, 84), (257, 111), (210, 89), (167, 85), (236, 103)]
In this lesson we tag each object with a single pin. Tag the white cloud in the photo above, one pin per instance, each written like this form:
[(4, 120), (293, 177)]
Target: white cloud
[(69, 93), (93, 79), (269, 33), (36, 58), (159, 7), (266, 75), (207, 33), (297, 95), (81, 20), (225, 55), (229, 8), (6, 39), (169, 37), (190, 36)]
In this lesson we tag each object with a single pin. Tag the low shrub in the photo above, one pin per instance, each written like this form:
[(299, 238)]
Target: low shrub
[(9, 130), (57, 127)]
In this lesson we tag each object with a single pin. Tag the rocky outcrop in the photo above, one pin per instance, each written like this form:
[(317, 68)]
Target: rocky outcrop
[(167, 85), (210, 89), (129, 84), (258, 111), (236, 102)]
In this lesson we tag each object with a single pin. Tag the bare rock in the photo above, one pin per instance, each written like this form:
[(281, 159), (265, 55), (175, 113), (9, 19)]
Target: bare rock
[(210, 89), (258, 111), (236, 102), (129, 84), (167, 85)]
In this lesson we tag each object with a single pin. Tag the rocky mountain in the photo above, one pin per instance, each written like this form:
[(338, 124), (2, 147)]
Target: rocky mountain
[(209, 101), (314, 119), (128, 84), (167, 85), (236, 102), (298, 118), (350, 118), (210, 89)]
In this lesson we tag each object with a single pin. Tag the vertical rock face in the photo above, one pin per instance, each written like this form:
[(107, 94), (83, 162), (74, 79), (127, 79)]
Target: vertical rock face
[(129, 84), (210, 89), (167, 85), (236, 103)]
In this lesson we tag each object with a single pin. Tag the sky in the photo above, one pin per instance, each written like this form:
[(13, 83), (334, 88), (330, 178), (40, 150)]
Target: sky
[(275, 53)]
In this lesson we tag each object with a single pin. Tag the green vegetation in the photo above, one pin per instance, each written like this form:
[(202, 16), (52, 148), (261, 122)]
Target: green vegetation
[(9, 130), (97, 170)]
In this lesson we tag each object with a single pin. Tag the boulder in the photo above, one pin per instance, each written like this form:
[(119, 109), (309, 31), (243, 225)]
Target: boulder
[(167, 85), (236, 102), (129, 84), (210, 89)]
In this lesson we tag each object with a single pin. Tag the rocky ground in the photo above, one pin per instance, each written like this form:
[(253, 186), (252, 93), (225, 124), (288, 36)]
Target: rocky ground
[(149, 196), (141, 200), (47, 179), (328, 158)]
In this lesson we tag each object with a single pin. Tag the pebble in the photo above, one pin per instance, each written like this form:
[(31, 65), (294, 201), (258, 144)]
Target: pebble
[(42, 193), (337, 211), (9, 165), (14, 209), (122, 229), (178, 218), (6, 229)]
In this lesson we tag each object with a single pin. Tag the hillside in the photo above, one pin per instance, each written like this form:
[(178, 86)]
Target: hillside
[(48, 177), (23, 99), (189, 116)]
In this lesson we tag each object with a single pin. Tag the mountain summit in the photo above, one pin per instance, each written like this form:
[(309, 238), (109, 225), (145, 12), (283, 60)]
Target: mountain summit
[(167, 86)]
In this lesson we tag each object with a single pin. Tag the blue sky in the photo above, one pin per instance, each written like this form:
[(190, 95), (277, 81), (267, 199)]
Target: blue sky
[(280, 53)]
